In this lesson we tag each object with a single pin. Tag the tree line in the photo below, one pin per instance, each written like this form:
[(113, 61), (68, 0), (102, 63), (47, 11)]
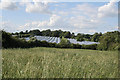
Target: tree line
[(59, 33), (108, 41)]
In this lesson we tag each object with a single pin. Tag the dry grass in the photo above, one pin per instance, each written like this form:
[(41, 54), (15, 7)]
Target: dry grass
[(59, 63)]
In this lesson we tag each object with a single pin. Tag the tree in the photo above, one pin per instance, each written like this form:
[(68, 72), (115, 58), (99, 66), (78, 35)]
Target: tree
[(73, 35), (35, 32), (55, 33), (21, 32), (96, 37), (46, 32), (26, 31), (11, 42), (109, 41), (67, 35), (80, 37), (64, 43)]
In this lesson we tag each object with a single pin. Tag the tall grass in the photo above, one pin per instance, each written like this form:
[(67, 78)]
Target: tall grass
[(59, 63)]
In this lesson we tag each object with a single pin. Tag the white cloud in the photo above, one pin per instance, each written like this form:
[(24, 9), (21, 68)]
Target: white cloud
[(36, 6), (84, 22), (53, 22), (108, 10), (74, 24), (92, 31), (0, 17), (8, 26), (8, 5), (45, 1), (81, 18), (63, 13), (85, 9)]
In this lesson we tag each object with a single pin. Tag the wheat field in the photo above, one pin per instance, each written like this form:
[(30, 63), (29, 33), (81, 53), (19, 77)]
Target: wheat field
[(41, 62)]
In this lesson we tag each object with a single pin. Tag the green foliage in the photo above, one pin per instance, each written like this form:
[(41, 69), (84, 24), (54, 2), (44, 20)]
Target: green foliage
[(92, 46), (35, 32), (72, 35), (64, 43), (83, 37), (25, 35), (96, 37), (76, 46), (33, 39), (110, 41), (10, 42), (67, 35), (80, 39), (56, 33), (46, 32)]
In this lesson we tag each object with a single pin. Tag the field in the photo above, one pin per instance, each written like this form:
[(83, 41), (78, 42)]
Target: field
[(44, 62)]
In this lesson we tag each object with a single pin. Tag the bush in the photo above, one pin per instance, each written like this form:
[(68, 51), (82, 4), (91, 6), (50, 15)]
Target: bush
[(92, 46), (10, 42), (109, 41), (76, 46), (64, 43)]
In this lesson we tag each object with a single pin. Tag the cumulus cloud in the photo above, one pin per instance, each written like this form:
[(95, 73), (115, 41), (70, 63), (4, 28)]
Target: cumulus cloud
[(83, 22), (54, 21), (8, 5), (75, 24), (108, 10), (85, 9), (92, 31), (36, 6), (8, 26), (82, 17)]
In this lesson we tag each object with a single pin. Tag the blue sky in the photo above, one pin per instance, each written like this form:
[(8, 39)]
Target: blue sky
[(77, 17)]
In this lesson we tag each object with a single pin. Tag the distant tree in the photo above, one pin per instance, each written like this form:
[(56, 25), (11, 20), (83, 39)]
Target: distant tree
[(109, 41), (55, 33), (80, 37), (11, 42), (67, 35), (64, 43), (34, 32), (46, 32), (21, 32), (26, 31), (96, 37), (92, 46), (73, 35), (16, 33)]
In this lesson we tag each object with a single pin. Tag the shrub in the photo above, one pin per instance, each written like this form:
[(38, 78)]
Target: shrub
[(109, 41), (92, 46), (64, 43), (76, 46)]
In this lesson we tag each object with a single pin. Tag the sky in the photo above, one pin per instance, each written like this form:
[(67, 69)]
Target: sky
[(77, 17)]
